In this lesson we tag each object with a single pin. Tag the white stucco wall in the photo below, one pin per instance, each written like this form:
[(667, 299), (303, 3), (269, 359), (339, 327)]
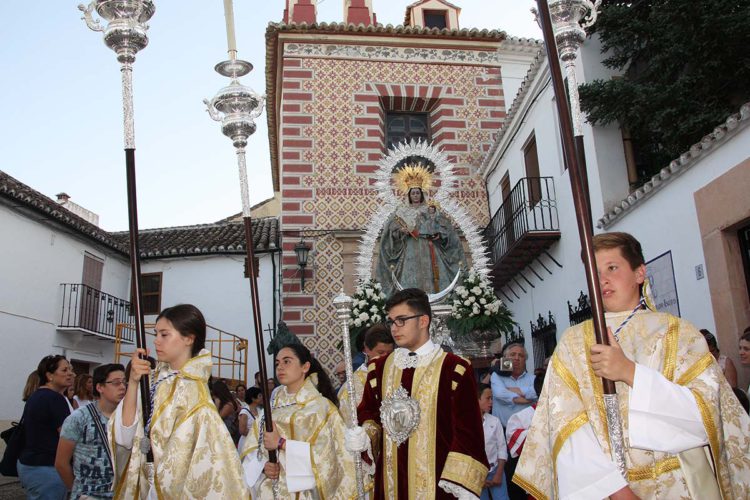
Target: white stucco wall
[(665, 221), (35, 258), (513, 69), (217, 286)]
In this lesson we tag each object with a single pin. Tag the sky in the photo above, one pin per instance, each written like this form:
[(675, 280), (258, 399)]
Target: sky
[(61, 124)]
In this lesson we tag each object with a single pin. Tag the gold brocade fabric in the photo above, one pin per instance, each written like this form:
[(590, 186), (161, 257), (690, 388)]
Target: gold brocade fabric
[(423, 476), (572, 397), (194, 456), (358, 379), (310, 417)]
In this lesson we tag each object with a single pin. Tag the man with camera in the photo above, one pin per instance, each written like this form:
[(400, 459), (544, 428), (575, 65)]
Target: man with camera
[(514, 391)]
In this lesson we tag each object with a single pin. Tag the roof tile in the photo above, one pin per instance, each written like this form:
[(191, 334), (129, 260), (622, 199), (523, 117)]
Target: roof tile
[(219, 238)]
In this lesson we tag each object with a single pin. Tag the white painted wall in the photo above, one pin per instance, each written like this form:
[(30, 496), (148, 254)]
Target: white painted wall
[(216, 284), (666, 221), (513, 70), (35, 258)]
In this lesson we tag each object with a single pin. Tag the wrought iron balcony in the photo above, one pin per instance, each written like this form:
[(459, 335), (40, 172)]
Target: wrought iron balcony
[(93, 312), (524, 226)]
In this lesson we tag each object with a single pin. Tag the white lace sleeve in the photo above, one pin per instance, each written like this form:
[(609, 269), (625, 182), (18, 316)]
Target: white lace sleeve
[(457, 491)]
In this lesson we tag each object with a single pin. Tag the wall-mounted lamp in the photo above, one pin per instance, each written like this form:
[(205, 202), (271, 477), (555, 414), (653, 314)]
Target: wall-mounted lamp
[(302, 250)]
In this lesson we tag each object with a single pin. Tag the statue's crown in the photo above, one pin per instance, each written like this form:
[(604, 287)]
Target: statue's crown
[(413, 176)]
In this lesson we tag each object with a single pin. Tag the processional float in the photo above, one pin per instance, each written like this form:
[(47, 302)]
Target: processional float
[(560, 21), (125, 33)]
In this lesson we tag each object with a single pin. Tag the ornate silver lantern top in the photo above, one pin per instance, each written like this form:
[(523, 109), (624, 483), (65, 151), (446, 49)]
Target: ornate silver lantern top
[(236, 106), (570, 18), (126, 28)]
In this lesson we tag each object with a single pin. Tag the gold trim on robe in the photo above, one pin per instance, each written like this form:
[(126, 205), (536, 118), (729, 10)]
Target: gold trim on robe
[(308, 416), (359, 376), (464, 470), (661, 342), (194, 456)]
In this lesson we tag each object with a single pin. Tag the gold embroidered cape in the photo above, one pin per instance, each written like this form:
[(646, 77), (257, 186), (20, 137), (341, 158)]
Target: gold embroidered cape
[(447, 447), (572, 397), (194, 456), (308, 416)]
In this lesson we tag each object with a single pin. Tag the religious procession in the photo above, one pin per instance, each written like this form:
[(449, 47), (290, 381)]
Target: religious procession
[(430, 201)]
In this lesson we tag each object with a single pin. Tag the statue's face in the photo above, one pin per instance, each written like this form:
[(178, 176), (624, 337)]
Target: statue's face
[(415, 195)]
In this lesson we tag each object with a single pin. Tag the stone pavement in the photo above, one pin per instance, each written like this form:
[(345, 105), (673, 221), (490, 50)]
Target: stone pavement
[(10, 489)]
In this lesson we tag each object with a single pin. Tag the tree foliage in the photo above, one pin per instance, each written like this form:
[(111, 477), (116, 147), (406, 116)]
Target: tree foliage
[(686, 67)]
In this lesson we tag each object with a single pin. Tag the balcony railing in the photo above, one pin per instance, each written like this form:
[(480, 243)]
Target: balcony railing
[(92, 311), (529, 207)]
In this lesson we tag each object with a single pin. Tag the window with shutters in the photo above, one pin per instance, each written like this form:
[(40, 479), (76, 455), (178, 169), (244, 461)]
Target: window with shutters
[(401, 127), (533, 181)]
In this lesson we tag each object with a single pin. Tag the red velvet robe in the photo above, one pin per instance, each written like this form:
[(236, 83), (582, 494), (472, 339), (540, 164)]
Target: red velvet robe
[(450, 429)]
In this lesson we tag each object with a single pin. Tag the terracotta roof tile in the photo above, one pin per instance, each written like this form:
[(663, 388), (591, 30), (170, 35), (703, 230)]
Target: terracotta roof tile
[(218, 238), (204, 239)]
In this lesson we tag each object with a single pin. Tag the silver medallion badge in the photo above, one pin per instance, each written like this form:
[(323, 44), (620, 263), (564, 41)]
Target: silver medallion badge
[(400, 415)]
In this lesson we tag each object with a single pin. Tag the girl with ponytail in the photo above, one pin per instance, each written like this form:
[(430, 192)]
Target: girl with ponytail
[(308, 435)]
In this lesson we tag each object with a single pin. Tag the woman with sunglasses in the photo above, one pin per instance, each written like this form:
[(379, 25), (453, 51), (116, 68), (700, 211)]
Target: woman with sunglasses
[(194, 456)]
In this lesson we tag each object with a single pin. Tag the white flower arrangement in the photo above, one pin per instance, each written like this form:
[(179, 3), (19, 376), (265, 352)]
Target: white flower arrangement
[(474, 306), (368, 307)]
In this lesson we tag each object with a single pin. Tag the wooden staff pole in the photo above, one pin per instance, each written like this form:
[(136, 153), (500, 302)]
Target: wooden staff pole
[(583, 217)]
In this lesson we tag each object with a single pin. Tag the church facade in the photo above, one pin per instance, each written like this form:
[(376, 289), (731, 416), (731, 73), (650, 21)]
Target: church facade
[(338, 97)]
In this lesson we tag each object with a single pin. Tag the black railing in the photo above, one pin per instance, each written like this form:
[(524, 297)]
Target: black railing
[(544, 337), (90, 309), (581, 312), (530, 206)]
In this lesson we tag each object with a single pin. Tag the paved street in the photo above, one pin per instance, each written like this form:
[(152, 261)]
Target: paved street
[(10, 489)]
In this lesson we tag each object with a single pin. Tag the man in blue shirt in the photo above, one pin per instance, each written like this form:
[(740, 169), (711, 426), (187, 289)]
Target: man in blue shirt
[(513, 393), (90, 474)]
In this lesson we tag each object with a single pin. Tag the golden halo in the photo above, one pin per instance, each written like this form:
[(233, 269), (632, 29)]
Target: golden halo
[(413, 176)]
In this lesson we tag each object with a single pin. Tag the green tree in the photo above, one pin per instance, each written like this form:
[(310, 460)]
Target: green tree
[(686, 67)]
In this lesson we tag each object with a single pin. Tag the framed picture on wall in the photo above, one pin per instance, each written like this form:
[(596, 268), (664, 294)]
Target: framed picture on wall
[(660, 273)]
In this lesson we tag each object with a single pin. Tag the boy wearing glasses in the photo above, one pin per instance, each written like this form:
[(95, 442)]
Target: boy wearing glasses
[(83, 438), (421, 424)]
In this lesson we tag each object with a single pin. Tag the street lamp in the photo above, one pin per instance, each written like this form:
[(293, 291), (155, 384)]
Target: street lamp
[(302, 250)]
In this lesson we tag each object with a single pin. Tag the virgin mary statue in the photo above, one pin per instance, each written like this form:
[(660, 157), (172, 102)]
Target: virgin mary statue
[(418, 244)]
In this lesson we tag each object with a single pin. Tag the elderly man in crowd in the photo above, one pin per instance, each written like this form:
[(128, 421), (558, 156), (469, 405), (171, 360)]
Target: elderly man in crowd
[(514, 392), (511, 394)]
